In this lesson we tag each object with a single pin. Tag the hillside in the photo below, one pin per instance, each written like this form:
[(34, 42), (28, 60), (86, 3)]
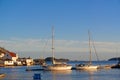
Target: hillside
[(2, 50), (114, 59)]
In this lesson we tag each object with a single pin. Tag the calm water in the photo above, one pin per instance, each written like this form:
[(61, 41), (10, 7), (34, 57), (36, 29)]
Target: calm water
[(20, 73)]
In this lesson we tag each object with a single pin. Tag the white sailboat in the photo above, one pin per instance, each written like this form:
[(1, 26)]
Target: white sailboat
[(55, 66), (87, 66)]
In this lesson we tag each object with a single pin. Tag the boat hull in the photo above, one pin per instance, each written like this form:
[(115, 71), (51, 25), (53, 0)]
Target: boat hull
[(53, 67), (86, 67)]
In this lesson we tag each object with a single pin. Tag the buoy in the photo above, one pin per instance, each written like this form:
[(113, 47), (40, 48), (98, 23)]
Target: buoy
[(37, 76)]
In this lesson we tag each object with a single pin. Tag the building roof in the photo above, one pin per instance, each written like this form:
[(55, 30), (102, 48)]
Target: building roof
[(12, 54)]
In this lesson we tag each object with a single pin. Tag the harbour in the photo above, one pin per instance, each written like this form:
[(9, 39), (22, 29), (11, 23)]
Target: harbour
[(59, 40), (20, 73)]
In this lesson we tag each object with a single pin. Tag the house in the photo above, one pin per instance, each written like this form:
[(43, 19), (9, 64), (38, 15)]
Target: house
[(11, 56), (18, 63), (8, 58), (27, 61), (8, 63)]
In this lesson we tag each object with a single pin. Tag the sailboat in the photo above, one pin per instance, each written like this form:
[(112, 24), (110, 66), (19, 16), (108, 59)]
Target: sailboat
[(87, 66), (55, 66)]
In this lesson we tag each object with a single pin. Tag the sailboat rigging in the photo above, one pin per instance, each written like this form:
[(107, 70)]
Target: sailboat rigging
[(90, 48), (88, 66), (56, 66)]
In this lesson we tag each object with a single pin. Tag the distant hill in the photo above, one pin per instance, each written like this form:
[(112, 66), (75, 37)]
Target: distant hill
[(114, 59), (3, 50), (61, 59)]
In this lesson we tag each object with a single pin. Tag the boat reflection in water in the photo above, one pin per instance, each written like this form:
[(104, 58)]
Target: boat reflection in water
[(61, 75), (89, 73), (62, 72)]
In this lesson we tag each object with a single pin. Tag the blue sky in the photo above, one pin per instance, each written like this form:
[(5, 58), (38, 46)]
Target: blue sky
[(25, 26)]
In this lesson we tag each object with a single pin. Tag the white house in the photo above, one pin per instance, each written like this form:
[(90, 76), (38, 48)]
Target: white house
[(10, 56), (27, 61), (9, 63), (18, 63)]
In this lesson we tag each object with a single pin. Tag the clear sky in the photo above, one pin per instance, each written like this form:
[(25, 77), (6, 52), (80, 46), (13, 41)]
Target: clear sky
[(25, 27)]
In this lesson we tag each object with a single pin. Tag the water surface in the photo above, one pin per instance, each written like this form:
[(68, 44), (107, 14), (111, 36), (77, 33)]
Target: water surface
[(20, 73)]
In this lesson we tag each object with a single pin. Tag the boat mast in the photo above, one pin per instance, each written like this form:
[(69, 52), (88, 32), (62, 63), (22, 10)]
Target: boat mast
[(89, 47), (53, 62)]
